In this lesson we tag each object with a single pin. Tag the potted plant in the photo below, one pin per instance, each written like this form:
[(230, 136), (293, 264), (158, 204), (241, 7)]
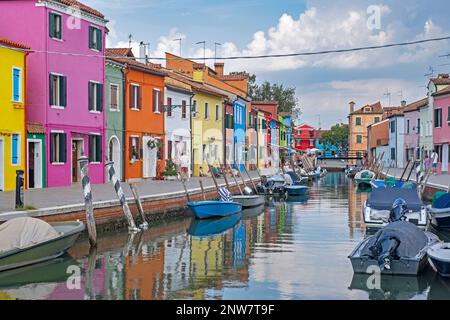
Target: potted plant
[(170, 173)]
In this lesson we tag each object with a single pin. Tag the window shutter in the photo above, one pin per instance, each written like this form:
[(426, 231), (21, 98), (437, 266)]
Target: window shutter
[(131, 94), (52, 139), (100, 97), (51, 90), (139, 93), (98, 149), (52, 25), (15, 149), (183, 109), (130, 148), (63, 91), (169, 107), (90, 97), (91, 37), (16, 85), (154, 100), (91, 148), (99, 40), (63, 148)]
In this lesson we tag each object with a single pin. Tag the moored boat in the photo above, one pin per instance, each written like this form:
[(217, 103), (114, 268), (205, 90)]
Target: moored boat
[(272, 185), (363, 179), (439, 212), (439, 257), (27, 241), (249, 201), (296, 190), (210, 227), (211, 209)]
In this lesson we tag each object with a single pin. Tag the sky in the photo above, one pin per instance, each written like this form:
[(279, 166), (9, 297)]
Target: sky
[(325, 84)]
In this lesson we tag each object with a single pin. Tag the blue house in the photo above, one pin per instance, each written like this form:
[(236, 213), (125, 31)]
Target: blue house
[(288, 123), (239, 112)]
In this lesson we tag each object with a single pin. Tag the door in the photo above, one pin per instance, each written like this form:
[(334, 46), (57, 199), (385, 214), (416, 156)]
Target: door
[(149, 158), (2, 165), (34, 164), (445, 155), (77, 148), (114, 155)]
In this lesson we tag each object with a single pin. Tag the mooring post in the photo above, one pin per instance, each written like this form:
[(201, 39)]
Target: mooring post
[(185, 189), (89, 286), (20, 202), (203, 190), (121, 195), (87, 193), (250, 177), (137, 199), (235, 180)]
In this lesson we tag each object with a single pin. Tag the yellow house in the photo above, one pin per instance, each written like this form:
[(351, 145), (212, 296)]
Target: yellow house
[(12, 104)]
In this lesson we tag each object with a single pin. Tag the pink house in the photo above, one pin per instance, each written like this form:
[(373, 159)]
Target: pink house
[(441, 127), (66, 73), (412, 128)]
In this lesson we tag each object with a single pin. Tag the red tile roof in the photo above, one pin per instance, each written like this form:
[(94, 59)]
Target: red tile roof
[(442, 79), (415, 106), (265, 102), (36, 128), (234, 76), (12, 44), (115, 52), (83, 7), (124, 56), (376, 109), (195, 85)]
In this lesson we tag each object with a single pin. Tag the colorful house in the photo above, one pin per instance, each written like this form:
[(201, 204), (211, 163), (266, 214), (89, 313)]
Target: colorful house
[(397, 139), (178, 96), (378, 141), (325, 148), (358, 121), (144, 116), (115, 105), (412, 130), (67, 90), (263, 139), (13, 67), (287, 120), (270, 127), (252, 139), (305, 137), (426, 113), (36, 158), (441, 127)]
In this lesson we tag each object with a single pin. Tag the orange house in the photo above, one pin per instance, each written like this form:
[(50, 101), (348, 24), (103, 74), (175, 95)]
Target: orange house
[(143, 118)]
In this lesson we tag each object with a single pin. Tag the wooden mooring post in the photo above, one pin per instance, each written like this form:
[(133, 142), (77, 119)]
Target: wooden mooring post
[(87, 192), (235, 180), (250, 177), (203, 189), (137, 199), (121, 196)]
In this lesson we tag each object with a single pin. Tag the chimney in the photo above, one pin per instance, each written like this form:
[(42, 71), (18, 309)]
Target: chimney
[(403, 103), (143, 58), (218, 67), (352, 106), (443, 76)]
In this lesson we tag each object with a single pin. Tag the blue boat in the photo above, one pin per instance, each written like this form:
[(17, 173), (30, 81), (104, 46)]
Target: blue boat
[(439, 212), (297, 190), (439, 257), (210, 227), (214, 209), (392, 184)]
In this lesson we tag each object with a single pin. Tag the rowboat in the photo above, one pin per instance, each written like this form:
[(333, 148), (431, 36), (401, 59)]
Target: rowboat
[(297, 190), (210, 227), (363, 179), (211, 209), (439, 257), (249, 201), (439, 212), (27, 241)]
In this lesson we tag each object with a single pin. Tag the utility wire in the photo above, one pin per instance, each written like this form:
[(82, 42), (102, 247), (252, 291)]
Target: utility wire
[(313, 53)]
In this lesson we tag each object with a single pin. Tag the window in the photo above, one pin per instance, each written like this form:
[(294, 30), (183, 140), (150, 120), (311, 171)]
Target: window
[(135, 148), (418, 126), (311, 134), (135, 97), (367, 109), (358, 121), (311, 143), (95, 38), (250, 120), (95, 148), (359, 138), (169, 107), (159, 153), (392, 153), (55, 26), (114, 97), (169, 149), (392, 126), (377, 119), (194, 108), (437, 118), (217, 112), (407, 126), (15, 149), (95, 97), (58, 90), (157, 101), (448, 115), (264, 124), (206, 110), (17, 85), (183, 109), (58, 148)]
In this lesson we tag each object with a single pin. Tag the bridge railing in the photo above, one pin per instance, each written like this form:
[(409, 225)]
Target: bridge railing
[(342, 155)]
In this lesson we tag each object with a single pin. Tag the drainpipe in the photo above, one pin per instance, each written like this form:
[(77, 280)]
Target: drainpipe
[(125, 108)]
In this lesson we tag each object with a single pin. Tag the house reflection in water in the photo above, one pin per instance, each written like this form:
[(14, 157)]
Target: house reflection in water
[(355, 214)]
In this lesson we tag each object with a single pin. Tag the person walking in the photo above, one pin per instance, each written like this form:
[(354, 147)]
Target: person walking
[(184, 166), (434, 159)]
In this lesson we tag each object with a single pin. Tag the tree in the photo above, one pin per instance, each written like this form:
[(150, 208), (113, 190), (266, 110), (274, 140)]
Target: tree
[(267, 91), (337, 136)]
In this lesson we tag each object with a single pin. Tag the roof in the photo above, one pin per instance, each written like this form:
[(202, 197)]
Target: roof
[(442, 92), (415, 106), (127, 52), (376, 109), (35, 127), (83, 7), (442, 79), (195, 85), (265, 102), (122, 55), (392, 111), (12, 44), (234, 76)]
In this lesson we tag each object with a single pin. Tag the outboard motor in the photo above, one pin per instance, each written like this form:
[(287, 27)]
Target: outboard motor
[(398, 211), (248, 191)]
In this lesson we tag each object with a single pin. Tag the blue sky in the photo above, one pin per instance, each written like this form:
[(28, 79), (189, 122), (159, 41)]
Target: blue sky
[(324, 84)]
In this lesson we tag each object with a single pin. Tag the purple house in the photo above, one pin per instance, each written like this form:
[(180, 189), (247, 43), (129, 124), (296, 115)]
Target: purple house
[(65, 77), (412, 129), (441, 127)]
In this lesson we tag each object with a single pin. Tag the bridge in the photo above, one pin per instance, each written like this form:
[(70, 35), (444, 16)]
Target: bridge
[(344, 155)]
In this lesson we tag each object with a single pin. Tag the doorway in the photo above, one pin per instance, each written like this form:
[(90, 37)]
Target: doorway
[(34, 164), (2, 165), (150, 157), (114, 155), (77, 151)]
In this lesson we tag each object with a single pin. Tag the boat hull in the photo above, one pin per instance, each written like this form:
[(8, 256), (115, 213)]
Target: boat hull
[(440, 218), (42, 252), (214, 209), (249, 201), (297, 190), (210, 227)]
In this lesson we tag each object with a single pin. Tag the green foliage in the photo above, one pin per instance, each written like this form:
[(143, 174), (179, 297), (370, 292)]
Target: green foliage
[(337, 136), (267, 91), (171, 169)]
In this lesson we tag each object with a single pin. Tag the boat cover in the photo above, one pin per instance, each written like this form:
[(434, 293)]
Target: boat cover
[(225, 195), (411, 240), (382, 199), (442, 202), (25, 232)]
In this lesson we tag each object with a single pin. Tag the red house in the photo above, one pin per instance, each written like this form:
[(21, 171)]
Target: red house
[(305, 137)]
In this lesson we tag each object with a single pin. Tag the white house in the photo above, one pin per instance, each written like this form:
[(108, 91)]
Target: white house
[(397, 140)]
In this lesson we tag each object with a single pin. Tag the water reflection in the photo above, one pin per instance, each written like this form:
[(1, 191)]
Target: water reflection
[(284, 250)]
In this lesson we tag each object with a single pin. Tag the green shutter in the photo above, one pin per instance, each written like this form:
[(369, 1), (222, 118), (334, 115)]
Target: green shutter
[(63, 148), (91, 37), (98, 149), (50, 80), (52, 138), (91, 148), (99, 39), (99, 97), (90, 96), (63, 91), (51, 18)]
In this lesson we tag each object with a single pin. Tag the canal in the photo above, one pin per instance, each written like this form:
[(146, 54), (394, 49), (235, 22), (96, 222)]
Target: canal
[(286, 250)]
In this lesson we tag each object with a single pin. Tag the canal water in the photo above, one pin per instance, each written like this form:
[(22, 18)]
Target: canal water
[(294, 249)]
